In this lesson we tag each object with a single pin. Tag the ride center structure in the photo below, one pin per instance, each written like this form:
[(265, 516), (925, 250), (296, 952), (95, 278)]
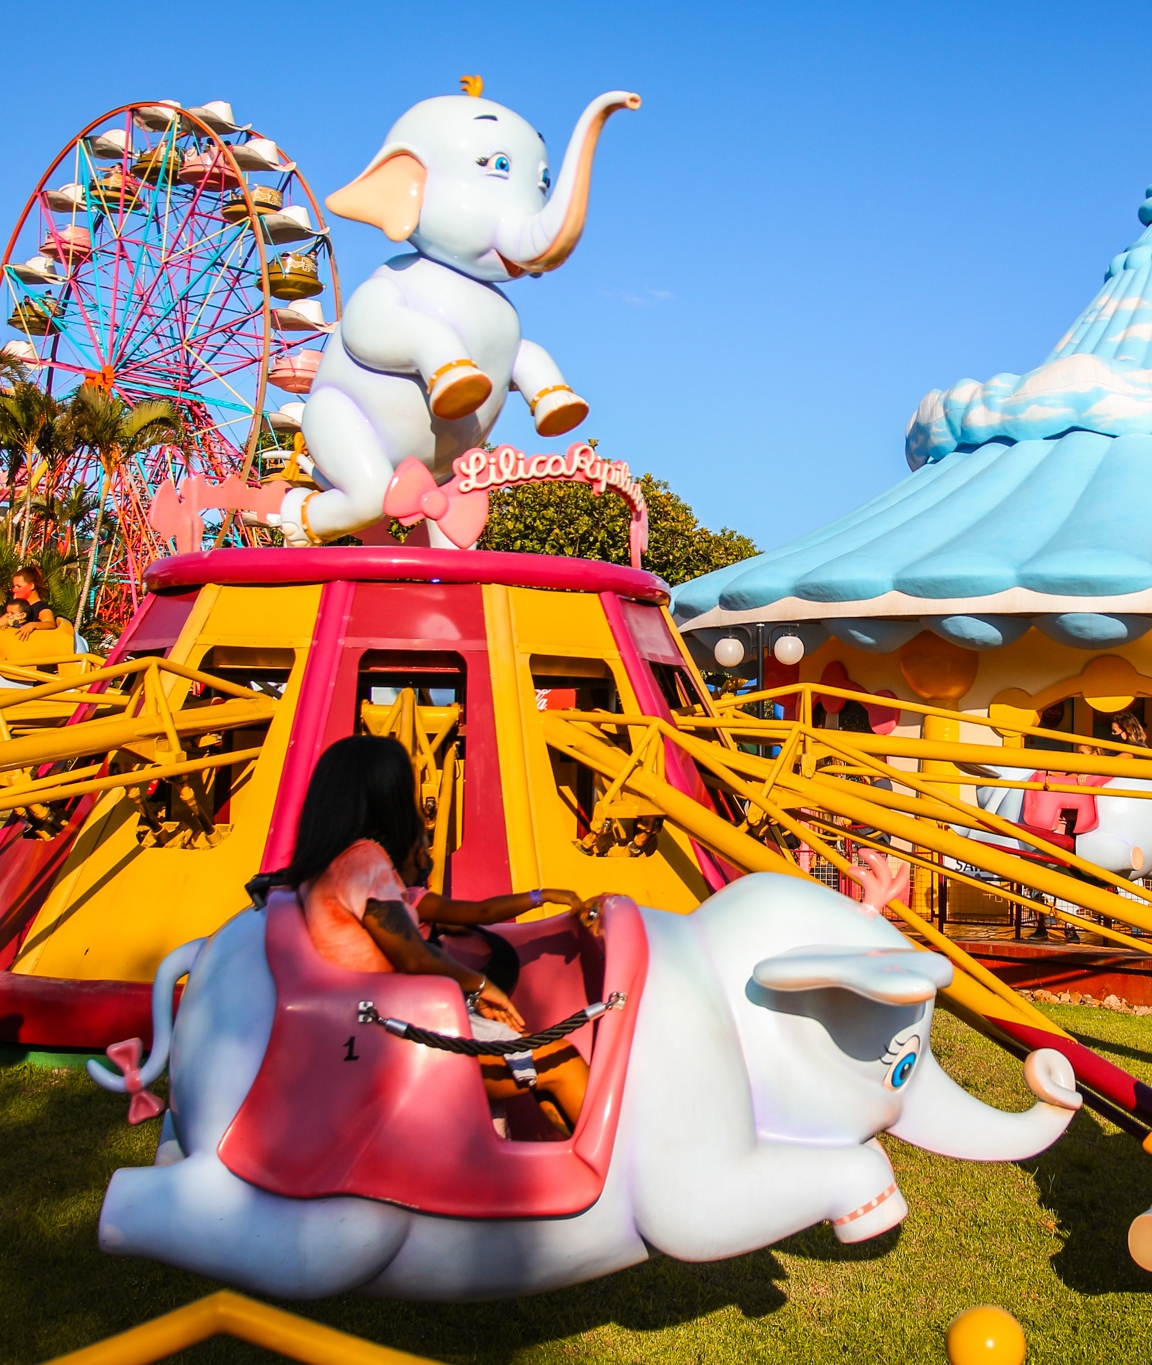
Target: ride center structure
[(561, 735)]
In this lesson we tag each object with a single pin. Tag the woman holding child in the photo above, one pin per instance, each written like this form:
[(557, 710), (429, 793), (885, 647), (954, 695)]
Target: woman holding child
[(26, 611)]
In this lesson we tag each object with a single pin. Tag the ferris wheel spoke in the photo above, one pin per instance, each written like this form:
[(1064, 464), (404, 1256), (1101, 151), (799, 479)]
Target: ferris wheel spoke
[(167, 310), (234, 289), (220, 379), (176, 349)]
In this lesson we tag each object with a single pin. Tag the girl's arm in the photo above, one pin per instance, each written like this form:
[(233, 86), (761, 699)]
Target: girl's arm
[(391, 928), (494, 910)]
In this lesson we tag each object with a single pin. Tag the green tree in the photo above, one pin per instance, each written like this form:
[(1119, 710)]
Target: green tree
[(569, 519), (113, 431)]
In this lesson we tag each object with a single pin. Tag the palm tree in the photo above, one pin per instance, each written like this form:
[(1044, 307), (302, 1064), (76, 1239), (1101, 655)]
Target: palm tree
[(31, 425), (11, 369), (114, 431), (72, 510)]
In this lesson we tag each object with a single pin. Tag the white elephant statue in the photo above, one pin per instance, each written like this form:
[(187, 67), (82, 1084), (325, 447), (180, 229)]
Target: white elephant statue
[(779, 1028), (429, 347), (1114, 832)]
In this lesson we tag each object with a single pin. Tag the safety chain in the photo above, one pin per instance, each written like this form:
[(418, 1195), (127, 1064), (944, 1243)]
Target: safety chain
[(478, 1047)]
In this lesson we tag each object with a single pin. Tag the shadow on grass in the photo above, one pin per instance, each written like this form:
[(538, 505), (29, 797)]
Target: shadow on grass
[(1107, 1045), (819, 1244), (651, 1297), (1095, 1182)]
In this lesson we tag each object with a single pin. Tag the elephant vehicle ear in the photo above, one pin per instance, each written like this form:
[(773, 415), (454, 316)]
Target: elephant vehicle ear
[(890, 976), (389, 195)]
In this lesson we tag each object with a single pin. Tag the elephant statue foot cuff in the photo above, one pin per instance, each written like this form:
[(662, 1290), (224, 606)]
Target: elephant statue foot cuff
[(457, 389), (557, 409), (293, 520)]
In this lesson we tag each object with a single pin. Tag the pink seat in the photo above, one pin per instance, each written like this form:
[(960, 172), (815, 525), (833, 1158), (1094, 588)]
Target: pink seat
[(1045, 810), (343, 1108)]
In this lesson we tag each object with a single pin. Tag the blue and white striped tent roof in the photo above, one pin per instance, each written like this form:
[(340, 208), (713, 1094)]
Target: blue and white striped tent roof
[(1028, 504)]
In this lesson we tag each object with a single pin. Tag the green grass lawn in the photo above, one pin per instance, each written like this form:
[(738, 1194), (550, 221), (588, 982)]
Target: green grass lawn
[(1045, 1239)]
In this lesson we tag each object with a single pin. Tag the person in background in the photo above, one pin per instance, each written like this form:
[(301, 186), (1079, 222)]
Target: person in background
[(28, 587), (1126, 729)]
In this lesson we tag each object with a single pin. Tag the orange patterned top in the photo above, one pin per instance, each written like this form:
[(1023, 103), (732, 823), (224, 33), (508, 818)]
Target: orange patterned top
[(335, 901)]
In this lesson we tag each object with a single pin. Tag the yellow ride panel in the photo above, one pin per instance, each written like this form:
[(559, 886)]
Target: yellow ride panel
[(532, 629), (117, 908)]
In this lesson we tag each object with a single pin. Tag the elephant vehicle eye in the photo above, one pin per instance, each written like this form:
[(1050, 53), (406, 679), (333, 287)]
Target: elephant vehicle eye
[(545, 179), (901, 1069)]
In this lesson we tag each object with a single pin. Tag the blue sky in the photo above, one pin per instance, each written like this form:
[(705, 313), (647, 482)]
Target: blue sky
[(820, 212)]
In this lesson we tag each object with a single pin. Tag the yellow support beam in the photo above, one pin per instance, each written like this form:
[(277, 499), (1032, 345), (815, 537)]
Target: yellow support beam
[(15, 798), (235, 1315), (975, 987), (696, 820), (120, 732)]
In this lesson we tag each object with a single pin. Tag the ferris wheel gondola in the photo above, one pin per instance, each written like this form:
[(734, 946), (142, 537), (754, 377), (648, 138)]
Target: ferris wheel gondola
[(172, 253)]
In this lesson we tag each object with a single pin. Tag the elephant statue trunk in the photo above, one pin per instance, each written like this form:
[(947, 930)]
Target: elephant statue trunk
[(546, 239)]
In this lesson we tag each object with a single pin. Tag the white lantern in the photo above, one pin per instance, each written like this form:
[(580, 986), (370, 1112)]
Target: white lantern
[(729, 652), (788, 649)]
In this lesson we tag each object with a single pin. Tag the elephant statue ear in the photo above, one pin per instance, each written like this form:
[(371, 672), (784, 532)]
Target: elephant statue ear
[(389, 194), (893, 976)]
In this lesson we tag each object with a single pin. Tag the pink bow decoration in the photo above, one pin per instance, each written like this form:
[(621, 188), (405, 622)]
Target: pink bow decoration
[(414, 494), (880, 883), (126, 1056)]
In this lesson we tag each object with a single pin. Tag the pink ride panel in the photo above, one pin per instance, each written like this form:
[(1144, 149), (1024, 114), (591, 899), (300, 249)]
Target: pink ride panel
[(344, 1108)]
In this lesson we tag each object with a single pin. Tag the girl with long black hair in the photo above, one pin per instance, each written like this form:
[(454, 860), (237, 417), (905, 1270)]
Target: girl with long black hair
[(358, 867)]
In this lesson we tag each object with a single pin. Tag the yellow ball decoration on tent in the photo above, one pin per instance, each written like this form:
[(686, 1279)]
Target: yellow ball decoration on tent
[(986, 1336), (937, 669)]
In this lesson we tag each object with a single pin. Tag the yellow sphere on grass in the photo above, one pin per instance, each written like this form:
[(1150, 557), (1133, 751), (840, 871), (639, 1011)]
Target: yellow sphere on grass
[(986, 1336)]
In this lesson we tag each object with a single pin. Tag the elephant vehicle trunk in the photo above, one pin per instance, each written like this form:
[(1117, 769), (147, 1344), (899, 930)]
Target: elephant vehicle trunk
[(941, 1117), (546, 239)]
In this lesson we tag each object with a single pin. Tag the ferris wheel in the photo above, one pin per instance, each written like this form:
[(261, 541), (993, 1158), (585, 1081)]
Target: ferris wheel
[(172, 253)]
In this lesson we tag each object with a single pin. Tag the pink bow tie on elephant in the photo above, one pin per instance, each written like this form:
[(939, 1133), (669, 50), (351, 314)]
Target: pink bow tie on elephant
[(126, 1056), (414, 493)]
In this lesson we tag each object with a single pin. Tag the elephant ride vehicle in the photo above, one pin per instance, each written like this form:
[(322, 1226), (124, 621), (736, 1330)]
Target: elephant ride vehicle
[(316, 1143), (1114, 832)]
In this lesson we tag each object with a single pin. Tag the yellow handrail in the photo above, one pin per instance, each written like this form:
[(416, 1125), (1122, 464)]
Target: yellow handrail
[(921, 825), (236, 1315), (976, 987), (809, 691), (17, 797)]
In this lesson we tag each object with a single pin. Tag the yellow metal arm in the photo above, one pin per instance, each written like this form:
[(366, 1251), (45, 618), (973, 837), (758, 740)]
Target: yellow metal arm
[(227, 1314)]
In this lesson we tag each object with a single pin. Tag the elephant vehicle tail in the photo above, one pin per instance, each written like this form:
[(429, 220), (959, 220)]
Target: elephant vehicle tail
[(135, 1078)]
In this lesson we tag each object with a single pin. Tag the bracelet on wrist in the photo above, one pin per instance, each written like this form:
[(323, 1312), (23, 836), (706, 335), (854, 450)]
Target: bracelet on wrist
[(536, 899), (472, 998)]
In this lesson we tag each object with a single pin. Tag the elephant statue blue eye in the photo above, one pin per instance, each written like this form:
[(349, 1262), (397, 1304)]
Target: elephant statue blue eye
[(497, 162), (545, 179), (901, 1069)]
